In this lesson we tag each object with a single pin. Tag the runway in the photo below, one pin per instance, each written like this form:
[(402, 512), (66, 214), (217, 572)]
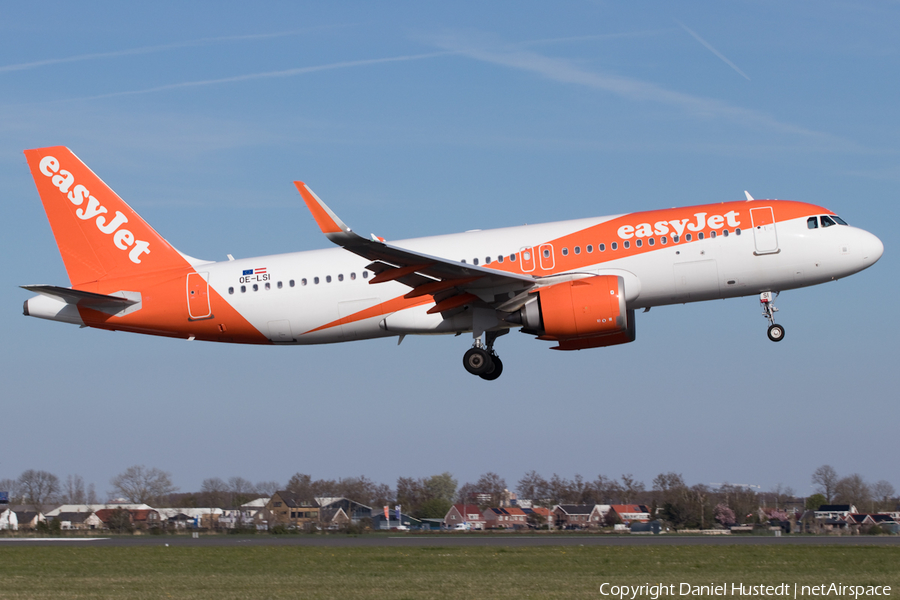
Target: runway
[(448, 540)]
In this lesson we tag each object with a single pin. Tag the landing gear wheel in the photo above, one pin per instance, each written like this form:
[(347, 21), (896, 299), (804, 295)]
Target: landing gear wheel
[(496, 371), (477, 361), (776, 332)]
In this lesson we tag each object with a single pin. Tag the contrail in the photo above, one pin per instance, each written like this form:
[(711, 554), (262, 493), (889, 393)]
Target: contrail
[(567, 72), (141, 50), (711, 49), (268, 75)]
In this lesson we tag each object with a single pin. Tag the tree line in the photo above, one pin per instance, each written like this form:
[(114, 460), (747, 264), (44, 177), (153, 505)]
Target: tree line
[(668, 497)]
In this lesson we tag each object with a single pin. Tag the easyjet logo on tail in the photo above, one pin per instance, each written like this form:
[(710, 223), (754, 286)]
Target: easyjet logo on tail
[(122, 238), (678, 226)]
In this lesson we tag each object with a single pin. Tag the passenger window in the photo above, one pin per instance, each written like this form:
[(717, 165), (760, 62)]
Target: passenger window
[(589, 248), (827, 222), (602, 247), (487, 260), (725, 233), (700, 236), (687, 237), (565, 251), (340, 276), (303, 281), (737, 231), (712, 234), (812, 223), (651, 241), (475, 261), (626, 245), (512, 258), (365, 274), (663, 240), (639, 243), (675, 239), (268, 286), (243, 288), (231, 290), (353, 276), (291, 283), (316, 280), (500, 258), (328, 279), (463, 261), (614, 246), (255, 287)]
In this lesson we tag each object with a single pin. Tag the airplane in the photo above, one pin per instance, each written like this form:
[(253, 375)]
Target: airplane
[(576, 283)]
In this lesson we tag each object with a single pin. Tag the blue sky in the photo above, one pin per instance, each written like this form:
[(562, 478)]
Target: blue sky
[(414, 119)]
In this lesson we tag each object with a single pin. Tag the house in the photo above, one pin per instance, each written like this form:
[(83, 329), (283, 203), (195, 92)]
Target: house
[(579, 516), (9, 520), (25, 517), (352, 509), (287, 508), (139, 517), (835, 511), (333, 517), (882, 518), (180, 518), (469, 514), (245, 516), (511, 517), (539, 516), (78, 520), (628, 513), (859, 519)]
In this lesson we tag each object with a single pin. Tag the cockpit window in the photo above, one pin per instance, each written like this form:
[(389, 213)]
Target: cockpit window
[(812, 222), (826, 221), (838, 220)]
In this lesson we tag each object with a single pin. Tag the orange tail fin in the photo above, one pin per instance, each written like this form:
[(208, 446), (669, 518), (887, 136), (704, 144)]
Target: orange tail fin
[(98, 234)]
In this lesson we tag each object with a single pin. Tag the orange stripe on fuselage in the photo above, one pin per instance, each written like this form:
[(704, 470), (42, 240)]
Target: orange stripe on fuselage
[(164, 310), (385, 308), (608, 232)]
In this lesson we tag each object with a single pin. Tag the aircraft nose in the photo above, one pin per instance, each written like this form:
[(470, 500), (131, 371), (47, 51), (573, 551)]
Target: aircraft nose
[(872, 248)]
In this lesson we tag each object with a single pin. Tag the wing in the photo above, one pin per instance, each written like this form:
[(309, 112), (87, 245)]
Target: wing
[(453, 285)]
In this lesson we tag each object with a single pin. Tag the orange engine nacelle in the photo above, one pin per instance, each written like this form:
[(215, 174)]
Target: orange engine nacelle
[(579, 314)]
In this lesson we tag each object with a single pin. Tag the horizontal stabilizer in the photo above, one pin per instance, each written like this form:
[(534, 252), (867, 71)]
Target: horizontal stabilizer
[(101, 302)]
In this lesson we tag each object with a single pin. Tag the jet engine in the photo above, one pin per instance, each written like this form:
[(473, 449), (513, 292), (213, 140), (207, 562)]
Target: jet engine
[(579, 314)]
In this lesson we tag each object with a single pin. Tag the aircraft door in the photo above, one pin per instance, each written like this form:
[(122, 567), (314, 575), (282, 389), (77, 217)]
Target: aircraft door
[(526, 258), (547, 259), (764, 234), (198, 296)]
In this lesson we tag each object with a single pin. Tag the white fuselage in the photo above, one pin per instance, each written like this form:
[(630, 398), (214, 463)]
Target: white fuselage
[(301, 292)]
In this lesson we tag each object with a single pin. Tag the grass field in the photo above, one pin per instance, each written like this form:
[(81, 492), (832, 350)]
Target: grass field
[(399, 573)]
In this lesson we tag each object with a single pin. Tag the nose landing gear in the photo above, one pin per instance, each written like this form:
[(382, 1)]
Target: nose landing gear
[(481, 359), (767, 301)]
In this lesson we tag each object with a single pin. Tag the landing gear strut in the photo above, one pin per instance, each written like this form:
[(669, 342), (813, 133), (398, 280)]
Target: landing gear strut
[(481, 359), (767, 301)]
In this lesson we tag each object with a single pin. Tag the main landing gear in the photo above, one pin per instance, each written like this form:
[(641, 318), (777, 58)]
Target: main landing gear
[(767, 301), (481, 359)]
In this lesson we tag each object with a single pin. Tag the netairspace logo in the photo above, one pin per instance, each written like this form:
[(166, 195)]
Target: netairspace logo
[(783, 590)]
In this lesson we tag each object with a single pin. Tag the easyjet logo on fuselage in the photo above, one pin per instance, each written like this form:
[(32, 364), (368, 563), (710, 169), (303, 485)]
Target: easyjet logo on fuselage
[(122, 238), (699, 222)]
